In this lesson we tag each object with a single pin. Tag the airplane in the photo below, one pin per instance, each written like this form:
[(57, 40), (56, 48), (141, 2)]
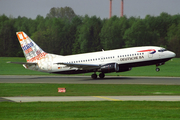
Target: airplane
[(118, 60)]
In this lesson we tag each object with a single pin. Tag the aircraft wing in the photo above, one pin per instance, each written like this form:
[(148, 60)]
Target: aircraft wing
[(81, 66), (23, 63)]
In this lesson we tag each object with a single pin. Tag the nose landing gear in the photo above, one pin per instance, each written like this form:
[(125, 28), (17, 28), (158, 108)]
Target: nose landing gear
[(157, 69)]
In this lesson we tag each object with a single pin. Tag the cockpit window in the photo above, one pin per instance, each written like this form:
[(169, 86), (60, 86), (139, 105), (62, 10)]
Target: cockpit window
[(162, 50)]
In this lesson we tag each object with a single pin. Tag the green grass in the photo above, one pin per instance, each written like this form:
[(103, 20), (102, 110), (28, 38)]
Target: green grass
[(90, 110), (20, 89), (170, 69), (16, 69)]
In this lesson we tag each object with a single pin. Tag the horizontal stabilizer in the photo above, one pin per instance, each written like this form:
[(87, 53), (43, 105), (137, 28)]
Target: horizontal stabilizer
[(23, 63)]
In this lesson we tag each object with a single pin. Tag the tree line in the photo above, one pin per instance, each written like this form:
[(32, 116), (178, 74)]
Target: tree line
[(79, 34)]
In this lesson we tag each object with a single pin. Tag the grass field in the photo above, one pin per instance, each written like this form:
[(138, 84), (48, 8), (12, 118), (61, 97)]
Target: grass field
[(90, 110), (170, 69), (20, 89)]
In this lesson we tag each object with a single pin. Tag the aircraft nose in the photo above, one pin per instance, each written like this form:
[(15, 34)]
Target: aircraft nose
[(172, 54)]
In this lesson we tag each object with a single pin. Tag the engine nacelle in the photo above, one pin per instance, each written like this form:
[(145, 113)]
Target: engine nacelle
[(110, 67)]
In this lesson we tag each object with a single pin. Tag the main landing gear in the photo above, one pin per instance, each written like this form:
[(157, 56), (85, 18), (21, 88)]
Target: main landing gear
[(94, 76)]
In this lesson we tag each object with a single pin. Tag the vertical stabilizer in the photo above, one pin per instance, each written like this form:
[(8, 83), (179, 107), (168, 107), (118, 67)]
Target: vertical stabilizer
[(31, 50)]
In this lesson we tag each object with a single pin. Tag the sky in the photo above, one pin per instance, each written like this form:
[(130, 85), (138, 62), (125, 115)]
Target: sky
[(99, 8)]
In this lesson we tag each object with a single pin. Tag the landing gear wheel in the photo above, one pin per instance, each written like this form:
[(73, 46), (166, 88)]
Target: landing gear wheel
[(93, 76), (102, 75), (157, 69)]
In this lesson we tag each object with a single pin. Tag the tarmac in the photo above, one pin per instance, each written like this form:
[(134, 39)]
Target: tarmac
[(91, 98), (88, 80)]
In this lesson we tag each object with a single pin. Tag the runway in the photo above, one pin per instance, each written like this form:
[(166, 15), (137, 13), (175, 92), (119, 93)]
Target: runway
[(91, 98), (88, 80)]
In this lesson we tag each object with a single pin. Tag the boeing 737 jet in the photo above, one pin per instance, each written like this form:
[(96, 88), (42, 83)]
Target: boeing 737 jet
[(118, 60)]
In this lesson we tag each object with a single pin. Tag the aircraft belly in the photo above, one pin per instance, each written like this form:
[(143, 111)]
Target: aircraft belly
[(143, 63), (71, 72)]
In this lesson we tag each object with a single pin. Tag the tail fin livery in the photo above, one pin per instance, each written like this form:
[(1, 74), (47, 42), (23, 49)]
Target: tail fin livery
[(31, 50)]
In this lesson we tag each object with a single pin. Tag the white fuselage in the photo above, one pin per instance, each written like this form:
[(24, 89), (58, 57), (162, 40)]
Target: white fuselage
[(125, 58)]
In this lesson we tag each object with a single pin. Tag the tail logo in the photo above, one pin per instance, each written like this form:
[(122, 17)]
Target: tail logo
[(27, 48), (21, 36)]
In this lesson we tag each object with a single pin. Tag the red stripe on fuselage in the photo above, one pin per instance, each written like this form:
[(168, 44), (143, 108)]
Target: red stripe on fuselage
[(149, 50)]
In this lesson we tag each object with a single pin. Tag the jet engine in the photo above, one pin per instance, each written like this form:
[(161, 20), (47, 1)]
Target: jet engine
[(110, 67)]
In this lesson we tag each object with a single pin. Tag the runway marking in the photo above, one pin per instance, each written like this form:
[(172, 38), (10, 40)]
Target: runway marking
[(106, 98)]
